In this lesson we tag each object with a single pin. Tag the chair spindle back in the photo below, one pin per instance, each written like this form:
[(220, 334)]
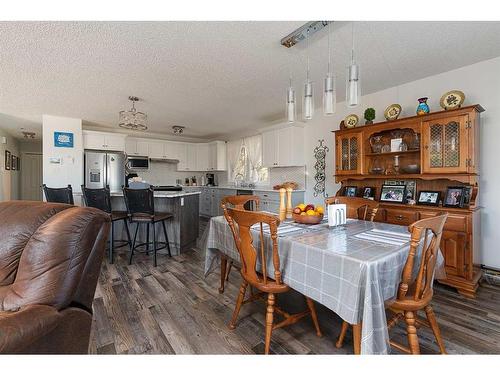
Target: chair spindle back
[(431, 229), (357, 208), (244, 243)]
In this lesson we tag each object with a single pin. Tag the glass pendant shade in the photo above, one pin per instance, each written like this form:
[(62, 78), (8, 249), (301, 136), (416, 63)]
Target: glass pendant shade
[(329, 95), (291, 109), (308, 102), (353, 88)]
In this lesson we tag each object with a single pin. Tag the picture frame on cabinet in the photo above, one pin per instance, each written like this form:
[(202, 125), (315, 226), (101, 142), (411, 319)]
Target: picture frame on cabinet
[(368, 192), (411, 188), (7, 160), (350, 191), (467, 195), (393, 193), (428, 197), (454, 197)]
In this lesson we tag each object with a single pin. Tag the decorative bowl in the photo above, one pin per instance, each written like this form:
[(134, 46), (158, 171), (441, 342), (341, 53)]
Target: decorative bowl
[(411, 169), (452, 99), (307, 219)]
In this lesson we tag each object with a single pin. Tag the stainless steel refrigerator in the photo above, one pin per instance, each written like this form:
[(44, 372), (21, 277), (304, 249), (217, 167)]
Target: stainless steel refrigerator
[(105, 168)]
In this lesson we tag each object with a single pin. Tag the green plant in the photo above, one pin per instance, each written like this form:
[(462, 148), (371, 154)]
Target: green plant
[(369, 114)]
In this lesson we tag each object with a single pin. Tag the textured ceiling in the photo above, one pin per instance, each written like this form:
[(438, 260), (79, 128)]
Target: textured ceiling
[(215, 78)]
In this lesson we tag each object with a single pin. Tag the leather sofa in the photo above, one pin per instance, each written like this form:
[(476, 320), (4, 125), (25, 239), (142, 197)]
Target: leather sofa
[(50, 259)]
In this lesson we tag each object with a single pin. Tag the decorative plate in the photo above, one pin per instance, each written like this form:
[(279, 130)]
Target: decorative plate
[(351, 121), (392, 112), (452, 99)]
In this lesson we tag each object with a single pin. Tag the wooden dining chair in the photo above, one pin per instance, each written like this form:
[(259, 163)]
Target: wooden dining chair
[(240, 202), (415, 293), (266, 284), (357, 208)]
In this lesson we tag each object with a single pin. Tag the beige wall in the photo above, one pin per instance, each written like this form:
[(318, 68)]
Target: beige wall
[(9, 180)]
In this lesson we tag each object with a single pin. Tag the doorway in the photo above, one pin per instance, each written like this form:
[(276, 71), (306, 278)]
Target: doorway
[(31, 176)]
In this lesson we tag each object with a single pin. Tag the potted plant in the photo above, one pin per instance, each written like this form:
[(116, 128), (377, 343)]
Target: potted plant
[(369, 116)]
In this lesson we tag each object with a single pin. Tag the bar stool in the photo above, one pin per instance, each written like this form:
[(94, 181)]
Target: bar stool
[(101, 199), (141, 210), (59, 195)]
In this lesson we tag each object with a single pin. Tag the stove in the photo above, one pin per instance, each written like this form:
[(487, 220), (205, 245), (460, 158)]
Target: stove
[(167, 188)]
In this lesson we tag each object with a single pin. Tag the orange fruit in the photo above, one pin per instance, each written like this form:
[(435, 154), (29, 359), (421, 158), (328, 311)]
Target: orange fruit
[(311, 212), (302, 207), (320, 210), (302, 214)]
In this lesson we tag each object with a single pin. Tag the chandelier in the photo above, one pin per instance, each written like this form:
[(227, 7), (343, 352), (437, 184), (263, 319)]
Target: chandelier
[(133, 119)]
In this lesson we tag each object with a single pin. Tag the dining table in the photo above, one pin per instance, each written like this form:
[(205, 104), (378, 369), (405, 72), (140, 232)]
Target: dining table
[(352, 269)]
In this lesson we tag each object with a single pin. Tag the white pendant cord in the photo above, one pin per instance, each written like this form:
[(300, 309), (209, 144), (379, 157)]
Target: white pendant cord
[(329, 50)]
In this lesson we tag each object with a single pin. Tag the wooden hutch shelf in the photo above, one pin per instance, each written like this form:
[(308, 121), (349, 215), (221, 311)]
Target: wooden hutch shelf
[(446, 150)]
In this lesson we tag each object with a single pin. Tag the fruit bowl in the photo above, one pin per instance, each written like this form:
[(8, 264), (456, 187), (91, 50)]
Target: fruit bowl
[(307, 219)]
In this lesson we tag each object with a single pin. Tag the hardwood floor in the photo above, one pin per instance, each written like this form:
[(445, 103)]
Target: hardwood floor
[(173, 309)]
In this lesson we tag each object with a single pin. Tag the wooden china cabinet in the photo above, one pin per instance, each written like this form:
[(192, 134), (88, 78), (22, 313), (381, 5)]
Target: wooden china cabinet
[(443, 148)]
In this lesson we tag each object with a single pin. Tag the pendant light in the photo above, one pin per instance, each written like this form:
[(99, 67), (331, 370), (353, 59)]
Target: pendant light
[(308, 100), (291, 110), (330, 91), (353, 84)]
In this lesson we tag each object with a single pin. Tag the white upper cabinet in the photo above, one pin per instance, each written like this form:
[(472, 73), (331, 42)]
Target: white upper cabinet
[(191, 157), (136, 147), (103, 141), (202, 156), (217, 156), (157, 150), (283, 147)]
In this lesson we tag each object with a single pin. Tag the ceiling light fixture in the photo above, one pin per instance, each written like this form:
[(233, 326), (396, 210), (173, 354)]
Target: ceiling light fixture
[(308, 99), (330, 91), (178, 130), (133, 119), (302, 33), (353, 84), (29, 135)]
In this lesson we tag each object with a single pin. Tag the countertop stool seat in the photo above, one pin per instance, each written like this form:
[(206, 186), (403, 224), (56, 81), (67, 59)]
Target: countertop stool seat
[(101, 199), (141, 210)]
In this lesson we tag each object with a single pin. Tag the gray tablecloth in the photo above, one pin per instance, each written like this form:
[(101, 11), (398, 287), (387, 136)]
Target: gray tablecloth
[(351, 269)]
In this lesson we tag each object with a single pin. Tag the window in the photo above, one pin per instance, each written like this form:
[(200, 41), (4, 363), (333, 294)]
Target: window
[(245, 161)]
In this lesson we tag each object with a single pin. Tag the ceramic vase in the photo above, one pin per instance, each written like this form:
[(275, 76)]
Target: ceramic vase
[(423, 107)]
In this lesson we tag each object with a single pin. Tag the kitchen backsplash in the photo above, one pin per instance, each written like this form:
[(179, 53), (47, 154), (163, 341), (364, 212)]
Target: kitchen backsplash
[(161, 173)]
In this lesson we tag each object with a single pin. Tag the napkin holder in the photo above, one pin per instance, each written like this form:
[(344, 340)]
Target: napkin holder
[(337, 214)]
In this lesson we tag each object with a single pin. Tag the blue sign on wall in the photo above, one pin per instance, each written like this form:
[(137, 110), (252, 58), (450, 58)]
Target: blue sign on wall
[(63, 139)]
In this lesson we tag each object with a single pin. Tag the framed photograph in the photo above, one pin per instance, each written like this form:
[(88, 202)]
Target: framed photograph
[(393, 193), (13, 163), (411, 188), (396, 144), (7, 160), (467, 195), (350, 191), (454, 197), (427, 197), (368, 192)]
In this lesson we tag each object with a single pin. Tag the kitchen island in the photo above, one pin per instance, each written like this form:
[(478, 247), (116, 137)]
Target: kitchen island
[(182, 229)]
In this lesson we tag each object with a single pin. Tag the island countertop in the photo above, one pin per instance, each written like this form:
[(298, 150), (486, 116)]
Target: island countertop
[(157, 194)]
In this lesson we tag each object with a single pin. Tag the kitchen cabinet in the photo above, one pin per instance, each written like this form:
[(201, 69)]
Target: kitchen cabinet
[(93, 140), (349, 158), (136, 147), (217, 156), (283, 147), (446, 144), (202, 157)]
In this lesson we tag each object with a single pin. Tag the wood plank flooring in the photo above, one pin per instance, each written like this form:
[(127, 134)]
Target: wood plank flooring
[(173, 309)]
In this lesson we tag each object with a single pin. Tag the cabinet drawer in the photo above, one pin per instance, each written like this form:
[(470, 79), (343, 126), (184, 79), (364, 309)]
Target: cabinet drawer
[(401, 217), (454, 222)]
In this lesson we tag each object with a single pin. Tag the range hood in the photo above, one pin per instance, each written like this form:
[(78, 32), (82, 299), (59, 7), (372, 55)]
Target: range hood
[(162, 160)]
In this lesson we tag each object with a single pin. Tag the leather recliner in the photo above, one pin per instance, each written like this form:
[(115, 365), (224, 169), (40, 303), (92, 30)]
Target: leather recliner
[(50, 259)]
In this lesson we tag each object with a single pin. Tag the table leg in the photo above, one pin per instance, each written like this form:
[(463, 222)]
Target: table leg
[(223, 267), (356, 333)]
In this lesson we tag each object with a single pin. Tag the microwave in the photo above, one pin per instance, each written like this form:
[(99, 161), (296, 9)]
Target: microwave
[(138, 162)]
